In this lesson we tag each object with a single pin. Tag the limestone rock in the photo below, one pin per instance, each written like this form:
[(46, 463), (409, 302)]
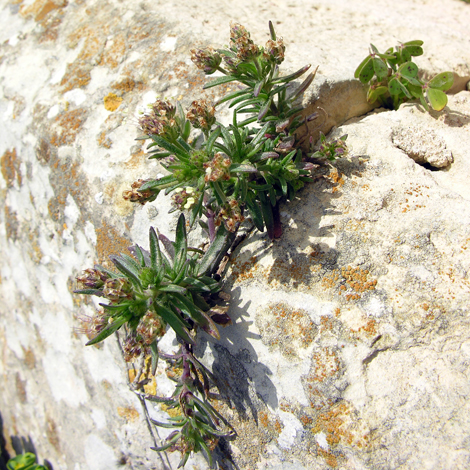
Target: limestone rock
[(350, 342)]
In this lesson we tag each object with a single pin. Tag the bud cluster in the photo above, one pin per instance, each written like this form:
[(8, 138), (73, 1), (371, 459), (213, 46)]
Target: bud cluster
[(201, 115), (333, 149), (274, 51), (160, 121), (245, 48), (185, 198), (207, 59), (135, 195), (133, 347), (92, 279), (218, 168), (230, 215), (117, 289), (150, 327), (92, 325)]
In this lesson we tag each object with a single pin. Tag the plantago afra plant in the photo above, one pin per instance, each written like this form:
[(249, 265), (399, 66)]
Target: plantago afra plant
[(393, 78), (242, 169), (169, 286), (230, 174)]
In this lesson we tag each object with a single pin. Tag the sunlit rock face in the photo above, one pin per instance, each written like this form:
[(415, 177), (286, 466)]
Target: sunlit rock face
[(350, 343)]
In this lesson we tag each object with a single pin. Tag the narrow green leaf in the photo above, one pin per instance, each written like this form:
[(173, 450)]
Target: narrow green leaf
[(109, 329), (201, 319), (125, 268), (212, 138), (159, 184), (267, 211), (139, 255), (219, 81), (196, 211), (292, 76), (228, 141), (234, 95), (175, 321), (168, 444), (181, 243), (265, 108), (195, 284), (96, 292), (172, 288), (242, 168), (216, 251), (177, 151)]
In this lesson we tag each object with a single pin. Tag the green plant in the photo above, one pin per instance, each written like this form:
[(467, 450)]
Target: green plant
[(169, 285), (393, 78), (231, 172), (25, 461), (246, 167)]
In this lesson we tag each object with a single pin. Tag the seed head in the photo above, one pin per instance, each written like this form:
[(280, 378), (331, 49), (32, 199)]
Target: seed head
[(92, 279), (218, 168), (274, 51), (150, 327), (117, 289), (201, 115), (207, 59), (136, 195)]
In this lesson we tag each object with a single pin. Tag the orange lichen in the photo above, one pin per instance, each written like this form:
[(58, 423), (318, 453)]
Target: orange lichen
[(286, 328), (67, 127), (103, 140), (326, 365), (112, 102), (10, 166), (109, 242), (128, 412)]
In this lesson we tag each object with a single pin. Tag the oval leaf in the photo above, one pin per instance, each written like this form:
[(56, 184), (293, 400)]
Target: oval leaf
[(367, 71), (408, 70), (442, 81), (380, 68), (437, 98)]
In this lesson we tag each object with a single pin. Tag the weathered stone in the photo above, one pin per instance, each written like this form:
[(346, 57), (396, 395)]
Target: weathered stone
[(350, 340)]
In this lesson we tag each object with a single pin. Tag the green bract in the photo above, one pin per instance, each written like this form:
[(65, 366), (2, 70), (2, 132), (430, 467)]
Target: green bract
[(393, 78)]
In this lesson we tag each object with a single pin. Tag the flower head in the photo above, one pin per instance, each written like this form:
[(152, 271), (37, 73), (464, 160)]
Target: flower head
[(92, 279), (150, 327), (207, 59), (136, 195), (160, 120), (241, 43), (218, 168), (118, 289), (201, 115), (274, 51), (230, 215), (185, 199)]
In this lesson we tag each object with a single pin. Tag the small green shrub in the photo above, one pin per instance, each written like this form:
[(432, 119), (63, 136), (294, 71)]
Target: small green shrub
[(393, 78)]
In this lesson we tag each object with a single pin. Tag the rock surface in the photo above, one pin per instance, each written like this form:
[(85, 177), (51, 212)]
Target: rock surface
[(350, 346)]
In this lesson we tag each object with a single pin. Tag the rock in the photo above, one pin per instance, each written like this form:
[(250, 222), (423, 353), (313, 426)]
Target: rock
[(350, 341)]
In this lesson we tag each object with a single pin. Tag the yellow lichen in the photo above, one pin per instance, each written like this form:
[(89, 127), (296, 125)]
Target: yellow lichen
[(112, 102)]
